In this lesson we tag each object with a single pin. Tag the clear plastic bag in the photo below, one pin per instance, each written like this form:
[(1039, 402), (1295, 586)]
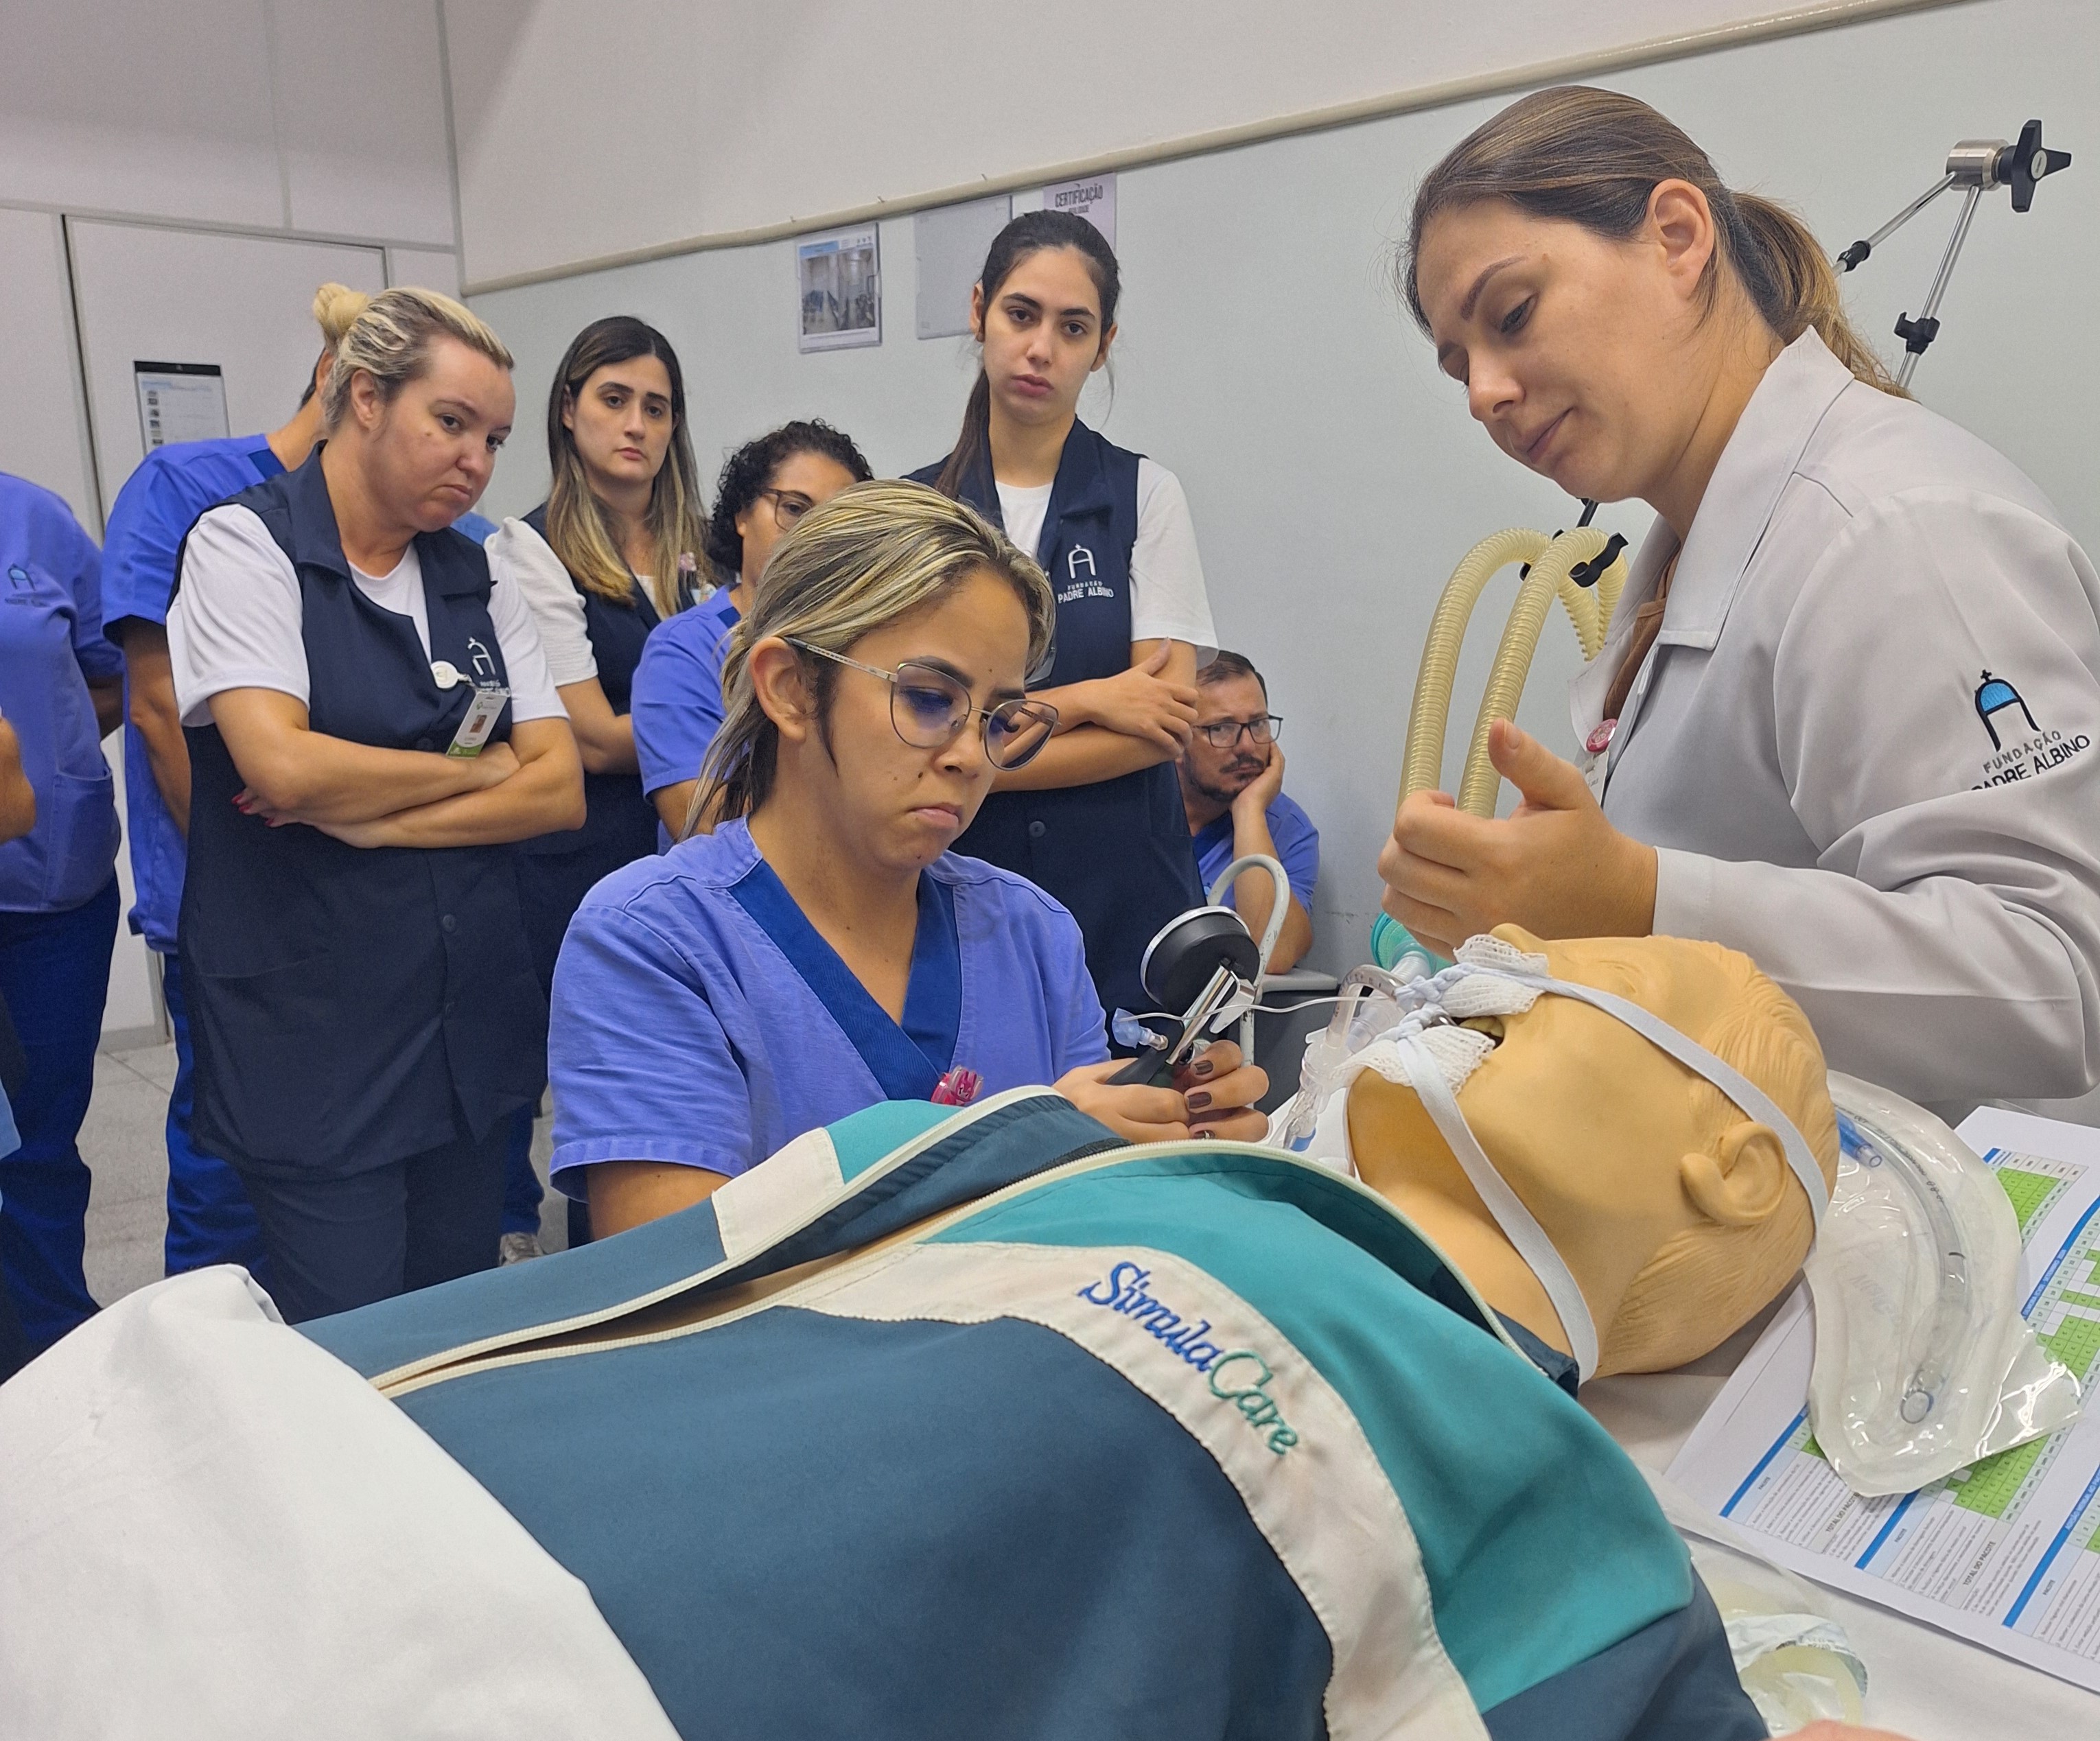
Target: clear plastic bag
[(1923, 1362), (1791, 1655)]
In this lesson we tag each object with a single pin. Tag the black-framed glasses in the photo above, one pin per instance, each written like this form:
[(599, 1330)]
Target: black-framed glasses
[(1262, 732), (928, 708), (788, 506)]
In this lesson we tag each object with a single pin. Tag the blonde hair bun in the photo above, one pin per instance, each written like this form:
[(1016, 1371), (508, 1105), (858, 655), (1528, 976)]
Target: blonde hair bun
[(336, 310)]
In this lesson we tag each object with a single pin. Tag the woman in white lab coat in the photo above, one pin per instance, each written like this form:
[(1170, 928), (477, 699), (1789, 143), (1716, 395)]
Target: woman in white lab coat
[(1845, 718)]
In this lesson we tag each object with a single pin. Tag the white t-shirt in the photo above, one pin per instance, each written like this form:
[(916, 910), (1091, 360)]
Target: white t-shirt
[(518, 555), (235, 620), (1168, 600)]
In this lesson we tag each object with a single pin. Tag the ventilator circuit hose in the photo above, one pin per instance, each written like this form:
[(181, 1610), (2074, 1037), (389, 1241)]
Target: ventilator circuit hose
[(1589, 609)]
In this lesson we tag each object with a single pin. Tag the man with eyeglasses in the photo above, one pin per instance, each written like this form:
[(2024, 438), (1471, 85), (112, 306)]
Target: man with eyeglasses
[(1231, 787)]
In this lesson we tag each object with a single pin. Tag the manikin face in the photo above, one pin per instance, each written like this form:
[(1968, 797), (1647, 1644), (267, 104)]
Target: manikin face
[(1222, 775), (904, 806), (1577, 353), (1609, 1142), (1042, 334), (622, 424), (429, 453), (798, 483)]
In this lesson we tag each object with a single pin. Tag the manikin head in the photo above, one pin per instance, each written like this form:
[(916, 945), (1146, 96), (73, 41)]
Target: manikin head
[(1676, 1211)]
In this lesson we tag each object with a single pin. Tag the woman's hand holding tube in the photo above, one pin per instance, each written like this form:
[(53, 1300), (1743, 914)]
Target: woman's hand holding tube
[(1555, 866), (1213, 1095)]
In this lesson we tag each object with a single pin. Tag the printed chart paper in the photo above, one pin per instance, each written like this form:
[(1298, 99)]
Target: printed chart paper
[(2005, 1553), (179, 401)]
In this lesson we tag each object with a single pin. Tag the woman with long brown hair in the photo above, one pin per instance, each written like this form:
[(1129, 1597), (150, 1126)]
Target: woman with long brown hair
[(612, 552), (1097, 818), (1844, 719)]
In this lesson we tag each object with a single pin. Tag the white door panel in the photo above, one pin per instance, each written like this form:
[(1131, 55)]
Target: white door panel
[(243, 303)]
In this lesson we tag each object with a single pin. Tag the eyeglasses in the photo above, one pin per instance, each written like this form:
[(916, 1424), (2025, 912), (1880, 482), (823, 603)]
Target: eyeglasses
[(1226, 733), (788, 506), (929, 709)]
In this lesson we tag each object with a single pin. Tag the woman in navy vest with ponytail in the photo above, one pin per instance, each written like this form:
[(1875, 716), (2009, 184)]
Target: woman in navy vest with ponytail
[(371, 725), (1096, 819), (612, 552)]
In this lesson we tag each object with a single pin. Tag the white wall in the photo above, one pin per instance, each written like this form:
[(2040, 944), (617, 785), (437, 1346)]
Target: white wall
[(278, 119), (328, 118), (1335, 476), (586, 130)]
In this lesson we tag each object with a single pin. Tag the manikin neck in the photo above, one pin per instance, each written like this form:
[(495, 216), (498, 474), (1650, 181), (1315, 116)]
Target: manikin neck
[(1402, 1156)]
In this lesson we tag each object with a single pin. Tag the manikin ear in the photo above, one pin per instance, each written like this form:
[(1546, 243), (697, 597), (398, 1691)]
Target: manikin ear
[(782, 687), (1746, 1184), (1681, 225)]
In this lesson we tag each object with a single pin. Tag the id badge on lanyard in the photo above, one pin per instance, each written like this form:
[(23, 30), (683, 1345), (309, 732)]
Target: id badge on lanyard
[(481, 714)]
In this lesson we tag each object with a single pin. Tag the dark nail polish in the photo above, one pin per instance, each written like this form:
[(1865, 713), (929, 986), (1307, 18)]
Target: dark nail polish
[(1198, 1100), (1205, 1066)]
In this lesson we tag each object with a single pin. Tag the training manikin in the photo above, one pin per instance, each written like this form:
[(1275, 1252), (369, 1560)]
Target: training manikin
[(1675, 1210), (960, 1424)]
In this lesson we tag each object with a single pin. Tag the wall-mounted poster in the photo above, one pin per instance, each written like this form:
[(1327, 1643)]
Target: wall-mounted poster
[(838, 277), (1093, 197), (180, 402)]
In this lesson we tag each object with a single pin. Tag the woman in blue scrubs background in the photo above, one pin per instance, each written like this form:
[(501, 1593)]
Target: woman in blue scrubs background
[(18, 816), (61, 688), (822, 949), (767, 486), (1097, 819), (210, 1218)]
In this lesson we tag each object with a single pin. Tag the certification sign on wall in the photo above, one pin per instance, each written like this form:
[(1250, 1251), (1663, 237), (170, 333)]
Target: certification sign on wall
[(838, 278), (180, 402)]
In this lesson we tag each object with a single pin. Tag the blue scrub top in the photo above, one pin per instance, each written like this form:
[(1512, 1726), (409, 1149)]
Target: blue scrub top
[(699, 1019), (155, 510), (677, 697), (1297, 849), (51, 644)]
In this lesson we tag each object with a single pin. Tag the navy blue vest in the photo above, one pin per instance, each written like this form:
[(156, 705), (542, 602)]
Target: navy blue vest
[(1117, 852), (351, 1006), (620, 823)]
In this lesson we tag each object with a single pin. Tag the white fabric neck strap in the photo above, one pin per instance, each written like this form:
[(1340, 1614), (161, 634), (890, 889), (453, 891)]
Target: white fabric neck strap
[(1519, 1226), (1428, 999), (1739, 1088)]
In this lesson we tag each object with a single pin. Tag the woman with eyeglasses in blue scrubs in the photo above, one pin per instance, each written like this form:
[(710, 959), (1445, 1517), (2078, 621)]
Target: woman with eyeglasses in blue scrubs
[(210, 1218), (822, 949), (61, 690), (766, 486)]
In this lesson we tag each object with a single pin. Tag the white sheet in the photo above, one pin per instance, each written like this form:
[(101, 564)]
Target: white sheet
[(209, 1528)]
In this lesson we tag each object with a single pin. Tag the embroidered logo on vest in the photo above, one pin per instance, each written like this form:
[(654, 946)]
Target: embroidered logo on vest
[(1239, 1376)]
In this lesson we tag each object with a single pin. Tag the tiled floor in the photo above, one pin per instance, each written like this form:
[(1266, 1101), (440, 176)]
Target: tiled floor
[(124, 1142)]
